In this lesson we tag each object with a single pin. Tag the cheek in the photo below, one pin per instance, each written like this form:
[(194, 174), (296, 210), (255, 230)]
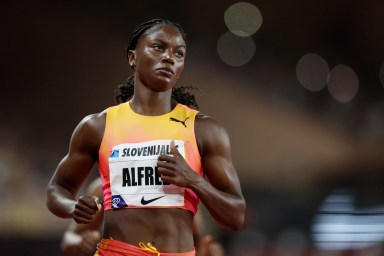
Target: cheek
[(146, 62), (180, 68), (144, 67)]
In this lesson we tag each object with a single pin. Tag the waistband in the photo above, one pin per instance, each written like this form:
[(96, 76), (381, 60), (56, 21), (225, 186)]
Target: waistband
[(110, 247)]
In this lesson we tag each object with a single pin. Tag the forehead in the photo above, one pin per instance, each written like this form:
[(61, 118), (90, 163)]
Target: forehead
[(164, 32)]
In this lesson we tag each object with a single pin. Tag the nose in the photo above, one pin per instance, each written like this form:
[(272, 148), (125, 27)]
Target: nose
[(168, 57)]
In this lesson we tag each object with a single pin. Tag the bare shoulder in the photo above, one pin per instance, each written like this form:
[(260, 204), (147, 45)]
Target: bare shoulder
[(93, 121), (90, 131), (210, 133), (207, 122)]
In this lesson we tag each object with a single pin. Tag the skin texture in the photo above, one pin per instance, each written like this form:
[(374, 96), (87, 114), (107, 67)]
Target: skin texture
[(158, 61)]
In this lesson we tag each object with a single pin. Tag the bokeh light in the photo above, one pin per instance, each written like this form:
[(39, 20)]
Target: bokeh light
[(234, 50), (243, 19), (381, 74), (312, 72), (343, 83), (340, 225)]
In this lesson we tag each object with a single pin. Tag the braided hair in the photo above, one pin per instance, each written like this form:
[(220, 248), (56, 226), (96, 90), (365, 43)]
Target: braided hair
[(124, 92)]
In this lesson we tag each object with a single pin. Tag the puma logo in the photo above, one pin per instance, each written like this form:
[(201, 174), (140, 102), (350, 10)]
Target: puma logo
[(178, 121)]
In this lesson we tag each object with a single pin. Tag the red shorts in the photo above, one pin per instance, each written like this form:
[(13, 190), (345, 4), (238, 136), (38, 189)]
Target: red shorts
[(110, 247)]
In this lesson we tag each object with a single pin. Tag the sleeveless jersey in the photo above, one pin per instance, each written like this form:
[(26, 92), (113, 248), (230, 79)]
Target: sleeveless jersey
[(128, 158)]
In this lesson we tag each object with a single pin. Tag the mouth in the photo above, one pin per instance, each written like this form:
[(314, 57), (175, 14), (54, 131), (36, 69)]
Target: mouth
[(166, 71)]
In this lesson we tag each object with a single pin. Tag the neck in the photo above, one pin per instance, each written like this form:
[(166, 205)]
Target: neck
[(154, 104), (150, 102)]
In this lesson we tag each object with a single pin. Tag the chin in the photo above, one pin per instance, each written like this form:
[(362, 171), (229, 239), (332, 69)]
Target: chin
[(162, 86)]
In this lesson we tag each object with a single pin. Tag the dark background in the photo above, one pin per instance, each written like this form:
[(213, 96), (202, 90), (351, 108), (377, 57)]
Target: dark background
[(61, 61)]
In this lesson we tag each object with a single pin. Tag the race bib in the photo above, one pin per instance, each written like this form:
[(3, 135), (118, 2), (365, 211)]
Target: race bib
[(135, 180)]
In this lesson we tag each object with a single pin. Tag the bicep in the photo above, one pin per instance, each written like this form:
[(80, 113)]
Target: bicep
[(217, 160), (73, 170), (77, 164), (221, 173)]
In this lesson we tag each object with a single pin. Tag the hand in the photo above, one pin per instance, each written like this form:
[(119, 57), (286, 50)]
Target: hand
[(174, 169), (207, 247), (86, 209)]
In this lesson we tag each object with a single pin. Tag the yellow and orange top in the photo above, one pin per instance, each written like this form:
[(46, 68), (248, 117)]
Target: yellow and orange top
[(128, 158)]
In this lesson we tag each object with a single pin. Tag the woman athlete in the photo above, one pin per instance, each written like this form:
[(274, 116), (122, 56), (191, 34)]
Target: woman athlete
[(157, 158)]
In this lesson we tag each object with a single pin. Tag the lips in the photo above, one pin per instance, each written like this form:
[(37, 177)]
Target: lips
[(166, 70)]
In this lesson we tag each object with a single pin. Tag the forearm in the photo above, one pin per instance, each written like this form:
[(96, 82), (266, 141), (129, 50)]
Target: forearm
[(60, 201), (226, 208)]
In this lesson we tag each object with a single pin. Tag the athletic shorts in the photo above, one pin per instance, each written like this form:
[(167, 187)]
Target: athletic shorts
[(110, 247)]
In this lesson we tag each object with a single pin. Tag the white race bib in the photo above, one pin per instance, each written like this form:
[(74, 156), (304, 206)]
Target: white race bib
[(134, 177)]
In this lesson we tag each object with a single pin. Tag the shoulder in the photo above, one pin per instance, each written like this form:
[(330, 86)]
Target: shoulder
[(93, 122), (207, 124), (90, 130), (94, 119), (210, 133)]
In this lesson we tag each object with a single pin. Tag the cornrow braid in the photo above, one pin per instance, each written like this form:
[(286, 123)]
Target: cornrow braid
[(140, 29), (124, 92), (181, 95)]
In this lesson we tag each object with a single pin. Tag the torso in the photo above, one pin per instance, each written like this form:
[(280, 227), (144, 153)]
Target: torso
[(168, 229)]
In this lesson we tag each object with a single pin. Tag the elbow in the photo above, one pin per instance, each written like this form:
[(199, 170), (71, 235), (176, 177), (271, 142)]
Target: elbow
[(237, 221), (51, 207), (238, 225), (60, 201), (49, 200), (52, 202)]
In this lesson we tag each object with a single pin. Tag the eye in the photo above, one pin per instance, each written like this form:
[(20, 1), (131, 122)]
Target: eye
[(179, 54), (158, 47)]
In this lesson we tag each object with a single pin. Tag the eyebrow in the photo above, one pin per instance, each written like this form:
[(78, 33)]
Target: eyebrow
[(164, 42)]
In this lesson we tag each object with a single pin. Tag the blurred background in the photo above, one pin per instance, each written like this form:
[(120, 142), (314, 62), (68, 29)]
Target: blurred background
[(299, 86)]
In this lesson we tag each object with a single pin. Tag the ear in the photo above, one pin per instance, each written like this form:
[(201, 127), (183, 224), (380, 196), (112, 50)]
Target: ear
[(132, 59)]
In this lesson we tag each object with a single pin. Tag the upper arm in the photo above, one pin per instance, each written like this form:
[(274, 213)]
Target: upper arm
[(82, 153), (214, 145)]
